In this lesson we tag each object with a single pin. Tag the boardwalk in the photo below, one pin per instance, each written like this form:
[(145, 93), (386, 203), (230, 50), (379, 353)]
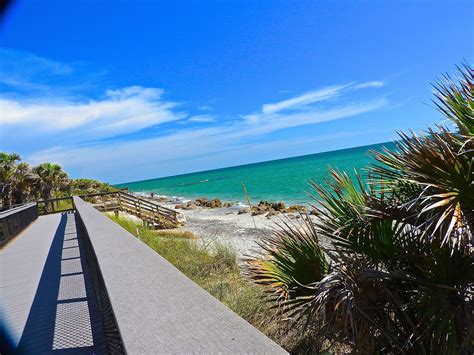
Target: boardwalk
[(78, 283), (46, 294)]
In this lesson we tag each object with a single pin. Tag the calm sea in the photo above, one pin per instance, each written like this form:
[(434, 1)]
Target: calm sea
[(276, 180)]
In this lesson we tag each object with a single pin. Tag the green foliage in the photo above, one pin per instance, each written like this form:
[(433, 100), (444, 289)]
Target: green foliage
[(89, 186), (401, 273), (293, 258), (20, 183)]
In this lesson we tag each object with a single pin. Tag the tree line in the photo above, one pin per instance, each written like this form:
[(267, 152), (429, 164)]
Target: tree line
[(21, 183)]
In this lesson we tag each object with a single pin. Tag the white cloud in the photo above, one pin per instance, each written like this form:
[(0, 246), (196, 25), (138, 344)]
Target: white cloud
[(80, 131), (312, 97), (305, 99), (370, 84), (202, 118), (205, 108), (120, 111)]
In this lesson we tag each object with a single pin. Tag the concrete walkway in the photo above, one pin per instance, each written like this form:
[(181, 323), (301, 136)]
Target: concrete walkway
[(47, 302)]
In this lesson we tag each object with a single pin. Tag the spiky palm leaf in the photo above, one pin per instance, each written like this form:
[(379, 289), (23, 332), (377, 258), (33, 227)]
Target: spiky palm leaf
[(455, 99), (401, 276), (444, 176), (293, 259)]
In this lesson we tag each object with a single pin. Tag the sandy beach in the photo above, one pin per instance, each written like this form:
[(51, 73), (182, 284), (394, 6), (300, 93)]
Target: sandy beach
[(226, 225)]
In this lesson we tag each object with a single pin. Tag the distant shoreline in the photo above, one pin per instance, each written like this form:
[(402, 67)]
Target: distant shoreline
[(165, 199), (285, 180)]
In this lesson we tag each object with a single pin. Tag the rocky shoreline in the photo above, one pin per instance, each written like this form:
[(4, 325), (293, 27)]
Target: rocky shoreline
[(231, 223), (269, 209)]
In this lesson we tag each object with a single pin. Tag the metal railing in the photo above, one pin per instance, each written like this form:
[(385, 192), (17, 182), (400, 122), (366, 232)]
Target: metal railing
[(16, 219)]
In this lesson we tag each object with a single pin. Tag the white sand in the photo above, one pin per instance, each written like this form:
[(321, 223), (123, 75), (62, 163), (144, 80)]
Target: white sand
[(225, 225)]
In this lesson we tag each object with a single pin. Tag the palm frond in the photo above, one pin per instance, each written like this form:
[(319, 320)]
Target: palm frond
[(293, 258), (455, 97), (443, 202)]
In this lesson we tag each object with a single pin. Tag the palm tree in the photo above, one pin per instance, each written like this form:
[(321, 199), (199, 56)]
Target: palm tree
[(8, 167), (25, 184), (52, 180), (397, 273)]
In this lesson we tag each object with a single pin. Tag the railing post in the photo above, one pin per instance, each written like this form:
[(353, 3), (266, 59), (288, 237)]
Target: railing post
[(103, 202), (119, 200)]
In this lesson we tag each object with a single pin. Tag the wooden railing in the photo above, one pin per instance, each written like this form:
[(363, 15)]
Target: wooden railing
[(151, 213)]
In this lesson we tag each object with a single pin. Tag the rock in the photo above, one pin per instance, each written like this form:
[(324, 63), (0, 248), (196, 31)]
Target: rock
[(296, 208), (278, 206), (313, 212), (204, 202), (201, 201), (189, 206), (216, 203), (256, 210), (228, 204), (179, 206), (243, 210)]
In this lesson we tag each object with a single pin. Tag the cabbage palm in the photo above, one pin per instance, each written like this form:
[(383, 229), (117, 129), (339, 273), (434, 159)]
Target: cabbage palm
[(400, 247), (8, 168), (25, 183), (52, 179)]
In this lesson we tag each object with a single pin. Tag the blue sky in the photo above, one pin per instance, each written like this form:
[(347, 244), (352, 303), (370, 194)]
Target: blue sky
[(130, 90)]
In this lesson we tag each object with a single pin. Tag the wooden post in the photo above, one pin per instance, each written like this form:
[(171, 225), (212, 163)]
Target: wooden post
[(119, 200), (103, 202)]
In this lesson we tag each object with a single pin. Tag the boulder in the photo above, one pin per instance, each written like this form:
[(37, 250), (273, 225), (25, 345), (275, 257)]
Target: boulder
[(278, 206), (189, 206), (216, 203), (204, 202), (201, 201), (296, 208), (256, 210)]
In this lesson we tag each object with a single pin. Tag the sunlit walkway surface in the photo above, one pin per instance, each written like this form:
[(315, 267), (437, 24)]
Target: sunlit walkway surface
[(47, 298)]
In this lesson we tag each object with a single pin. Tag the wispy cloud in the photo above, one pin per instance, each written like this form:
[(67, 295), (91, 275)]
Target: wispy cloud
[(202, 118), (78, 130), (305, 99)]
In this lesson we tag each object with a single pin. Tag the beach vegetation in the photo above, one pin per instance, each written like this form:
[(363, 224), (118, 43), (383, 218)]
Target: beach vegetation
[(21, 183), (391, 268)]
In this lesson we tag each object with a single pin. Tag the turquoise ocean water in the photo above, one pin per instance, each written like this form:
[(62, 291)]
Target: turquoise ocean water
[(276, 180)]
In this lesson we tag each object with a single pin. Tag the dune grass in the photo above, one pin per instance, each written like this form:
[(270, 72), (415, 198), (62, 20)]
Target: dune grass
[(214, 267)]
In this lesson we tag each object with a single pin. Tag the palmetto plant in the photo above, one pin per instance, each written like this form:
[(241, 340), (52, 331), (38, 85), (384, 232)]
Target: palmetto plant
[(396, 273), (25, 184), (52, 180), (8, 169)]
